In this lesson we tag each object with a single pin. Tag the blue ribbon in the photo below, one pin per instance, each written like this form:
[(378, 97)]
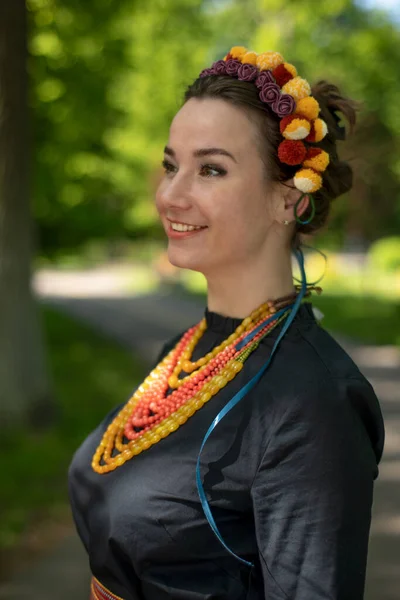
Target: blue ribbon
[(275, 316), (325, 266), (206, 508)]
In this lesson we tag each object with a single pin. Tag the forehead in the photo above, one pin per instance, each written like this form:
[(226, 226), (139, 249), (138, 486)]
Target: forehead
[(211, 122)]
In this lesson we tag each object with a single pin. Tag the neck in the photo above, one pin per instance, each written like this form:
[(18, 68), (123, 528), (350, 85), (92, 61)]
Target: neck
[(235, 292)]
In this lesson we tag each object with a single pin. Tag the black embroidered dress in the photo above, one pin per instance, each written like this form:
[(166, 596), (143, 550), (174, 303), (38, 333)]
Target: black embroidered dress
[(288, 474)]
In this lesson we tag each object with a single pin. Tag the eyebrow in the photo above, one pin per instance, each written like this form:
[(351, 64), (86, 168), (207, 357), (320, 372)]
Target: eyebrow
[(203, 152)]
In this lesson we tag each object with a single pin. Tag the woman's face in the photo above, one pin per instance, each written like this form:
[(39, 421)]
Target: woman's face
[(214, 179)]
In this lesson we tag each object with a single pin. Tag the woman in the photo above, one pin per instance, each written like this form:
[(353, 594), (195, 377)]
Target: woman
[(243, 467)]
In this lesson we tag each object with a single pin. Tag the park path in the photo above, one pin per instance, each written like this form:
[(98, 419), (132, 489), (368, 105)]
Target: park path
[(142, 323)]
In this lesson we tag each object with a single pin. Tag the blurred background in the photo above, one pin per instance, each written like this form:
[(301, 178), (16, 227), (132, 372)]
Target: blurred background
[(87, 295)]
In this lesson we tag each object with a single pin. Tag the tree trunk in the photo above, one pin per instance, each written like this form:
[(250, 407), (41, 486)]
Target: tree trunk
[(25, 391)]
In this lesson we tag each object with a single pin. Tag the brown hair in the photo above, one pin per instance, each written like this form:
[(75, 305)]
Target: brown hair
[(338, 177)]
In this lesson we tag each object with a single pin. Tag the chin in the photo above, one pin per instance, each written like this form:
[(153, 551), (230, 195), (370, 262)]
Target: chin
[(185, 261)]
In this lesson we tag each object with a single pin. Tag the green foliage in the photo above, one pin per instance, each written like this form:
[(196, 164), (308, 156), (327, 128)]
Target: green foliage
[(91, 375), (73, 50), (108, 76), (359, 51), (384, 254)]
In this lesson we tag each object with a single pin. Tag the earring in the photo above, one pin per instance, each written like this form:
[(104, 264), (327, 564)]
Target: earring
[(286, 222)]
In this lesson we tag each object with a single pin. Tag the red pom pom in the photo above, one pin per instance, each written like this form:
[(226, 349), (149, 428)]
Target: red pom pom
[(313, 152), (286, 120), (292, 152), (281, 75)]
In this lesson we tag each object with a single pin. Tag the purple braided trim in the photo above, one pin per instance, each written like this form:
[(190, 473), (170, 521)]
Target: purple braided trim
[(269, 90)]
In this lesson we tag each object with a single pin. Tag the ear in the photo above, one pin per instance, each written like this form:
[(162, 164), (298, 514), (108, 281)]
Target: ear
[(290, 196)]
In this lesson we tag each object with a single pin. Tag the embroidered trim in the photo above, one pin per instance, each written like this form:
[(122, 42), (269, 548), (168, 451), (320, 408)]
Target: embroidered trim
[(99, 592)]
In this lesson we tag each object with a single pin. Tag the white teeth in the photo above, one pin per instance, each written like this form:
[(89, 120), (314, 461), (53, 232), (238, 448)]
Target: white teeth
[(181, 227)]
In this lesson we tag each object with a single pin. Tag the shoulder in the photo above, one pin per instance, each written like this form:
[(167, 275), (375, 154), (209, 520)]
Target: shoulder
[(307, 351), (319, 349), (312, 380)]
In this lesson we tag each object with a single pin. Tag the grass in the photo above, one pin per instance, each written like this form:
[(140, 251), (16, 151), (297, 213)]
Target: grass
[(91, 375)]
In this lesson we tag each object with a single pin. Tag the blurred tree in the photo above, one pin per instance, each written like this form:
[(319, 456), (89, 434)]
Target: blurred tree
[(106, 77), (359, 50), (104, 80), (75, 53), (25, 393)]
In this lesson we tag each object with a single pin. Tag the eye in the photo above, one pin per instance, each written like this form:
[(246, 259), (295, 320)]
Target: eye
[(167, 166), (217, 170), (205, 170)]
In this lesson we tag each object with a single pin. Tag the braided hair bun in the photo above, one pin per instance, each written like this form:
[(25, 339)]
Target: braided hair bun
[(338, 177)]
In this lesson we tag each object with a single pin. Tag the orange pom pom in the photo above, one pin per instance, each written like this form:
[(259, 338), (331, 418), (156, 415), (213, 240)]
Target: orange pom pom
[(282, 75), (318, 131), (291, 68), (321, 129), (297, 87), (308, 107), (313, 152), (250, 58), (292, 152), (307, 181), (311, 135), (286, 121), (269, 60), (297, 129), (316, 159), (237, 52)]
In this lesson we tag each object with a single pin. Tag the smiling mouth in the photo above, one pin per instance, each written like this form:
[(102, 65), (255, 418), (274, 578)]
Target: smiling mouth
[(183, 227)]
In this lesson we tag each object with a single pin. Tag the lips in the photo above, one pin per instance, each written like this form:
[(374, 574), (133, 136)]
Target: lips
[(187, 224), (180, 227), (179, 234)]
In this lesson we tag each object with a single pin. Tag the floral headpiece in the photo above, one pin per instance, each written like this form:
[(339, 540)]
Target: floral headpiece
[(289, 96)]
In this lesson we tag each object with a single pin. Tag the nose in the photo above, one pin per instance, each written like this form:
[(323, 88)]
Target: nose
[(175, 192)]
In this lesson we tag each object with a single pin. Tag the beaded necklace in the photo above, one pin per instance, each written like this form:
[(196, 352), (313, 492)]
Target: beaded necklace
[(152, 413)]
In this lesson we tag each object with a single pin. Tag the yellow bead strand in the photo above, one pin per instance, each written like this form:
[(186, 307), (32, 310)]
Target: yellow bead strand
[(114, 438), (114, 434), (189, 367)]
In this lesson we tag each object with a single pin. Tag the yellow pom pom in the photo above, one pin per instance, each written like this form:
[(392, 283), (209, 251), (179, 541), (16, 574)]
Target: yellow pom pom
[(298, 129), (319, 162), (237, 52), (291, 68), (297, 87), (269, 60), (307, 181), (250, 58), (308, 107), (321, 129)]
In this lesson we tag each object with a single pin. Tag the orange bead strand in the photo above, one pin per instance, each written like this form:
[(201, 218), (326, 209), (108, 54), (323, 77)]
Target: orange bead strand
[(154, 411)]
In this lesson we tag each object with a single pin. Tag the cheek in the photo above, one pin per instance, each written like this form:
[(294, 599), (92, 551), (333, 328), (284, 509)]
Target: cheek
[(158, 197), (240, 230), (244, 211)]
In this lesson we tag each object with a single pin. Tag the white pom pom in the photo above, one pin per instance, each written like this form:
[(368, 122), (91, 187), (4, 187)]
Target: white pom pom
[(304, 184), (298, 134)]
